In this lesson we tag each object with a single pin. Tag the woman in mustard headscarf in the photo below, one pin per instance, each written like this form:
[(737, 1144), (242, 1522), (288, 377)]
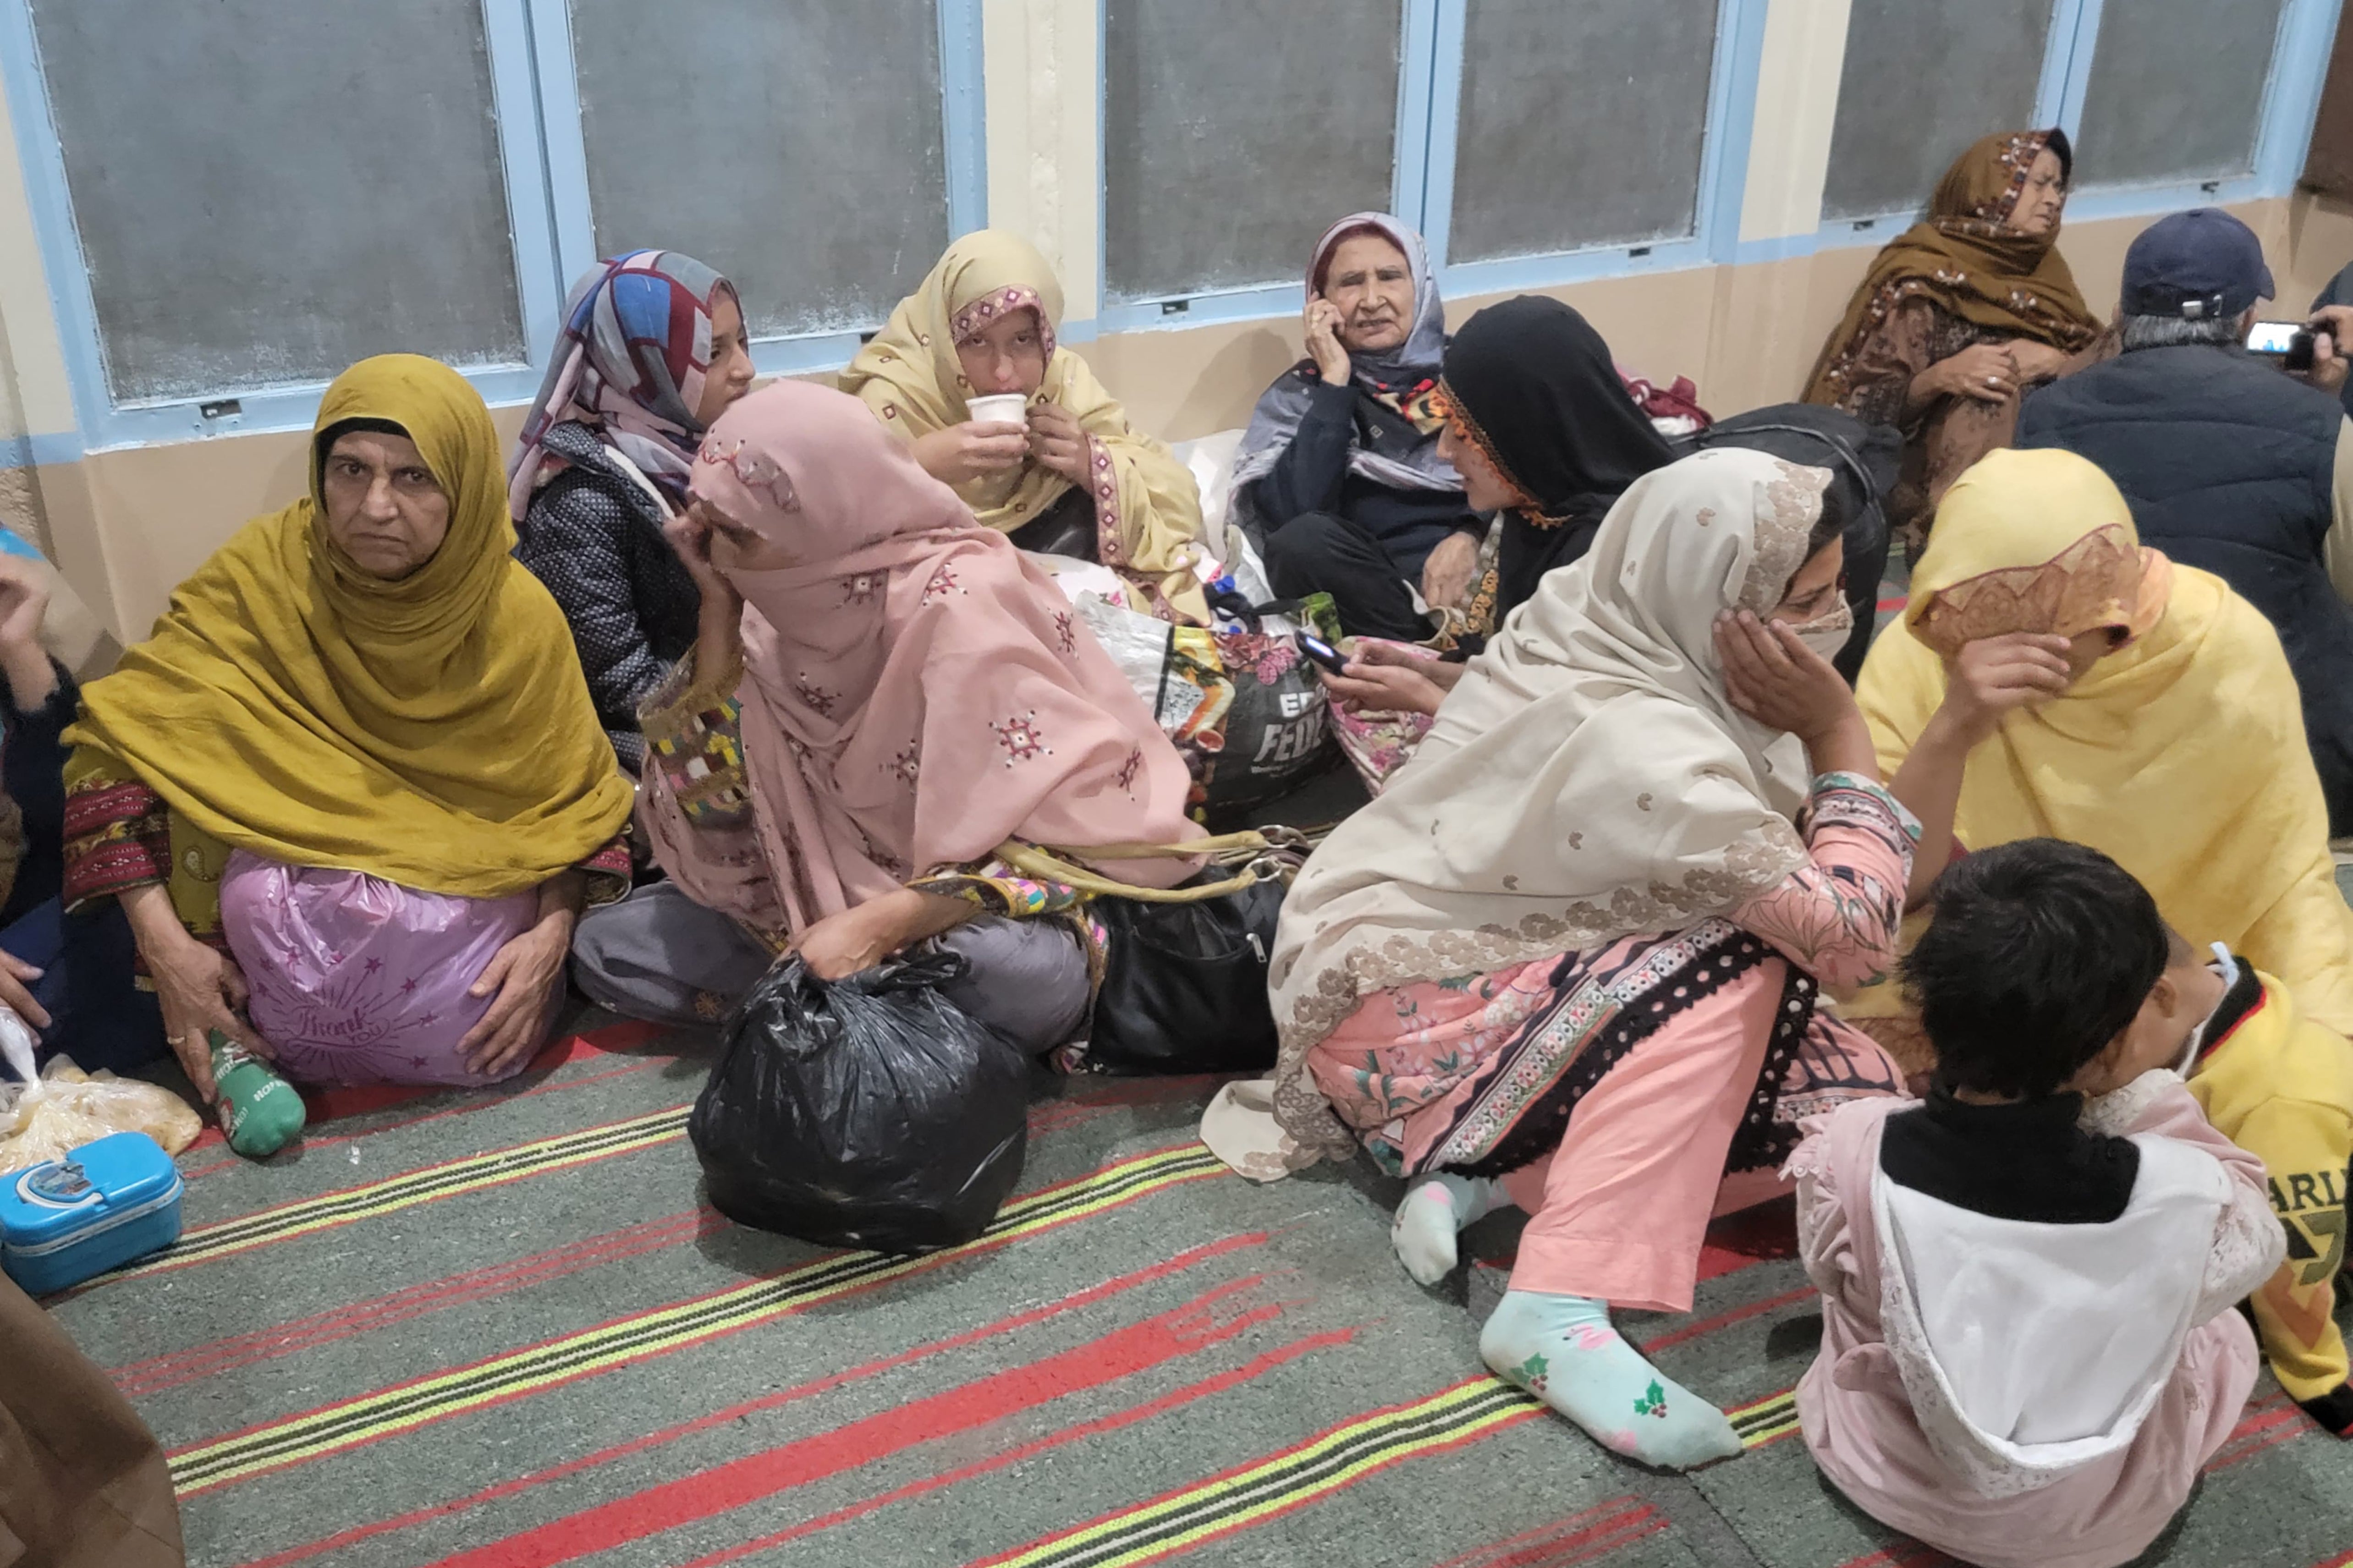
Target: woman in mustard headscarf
[(1960, 315), (2052, 678), (358, 754), (1074, 478)]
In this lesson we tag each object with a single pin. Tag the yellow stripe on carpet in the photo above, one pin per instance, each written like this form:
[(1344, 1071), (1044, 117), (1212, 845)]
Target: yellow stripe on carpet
[(429, 1185), (1282, 1481), (387, 1411)]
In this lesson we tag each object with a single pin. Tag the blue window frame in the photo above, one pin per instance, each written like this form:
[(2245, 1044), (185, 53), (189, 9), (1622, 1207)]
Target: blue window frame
[(536, 103)]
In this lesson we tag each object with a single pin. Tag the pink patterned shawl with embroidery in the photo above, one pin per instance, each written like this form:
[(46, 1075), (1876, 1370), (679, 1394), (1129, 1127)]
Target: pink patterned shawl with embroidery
[(915, 693)]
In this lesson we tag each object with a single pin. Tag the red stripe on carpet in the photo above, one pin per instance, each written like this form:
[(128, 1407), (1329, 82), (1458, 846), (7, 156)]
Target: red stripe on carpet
[(1257, 1366), (1895, 603), (1725, 1319), (1190, 1258), (1209, 1319), (336, 1102), (1755, 1235), (2341, 1561), (969, 1250), (237, 1351), (1580, 1538), (475, 1101)]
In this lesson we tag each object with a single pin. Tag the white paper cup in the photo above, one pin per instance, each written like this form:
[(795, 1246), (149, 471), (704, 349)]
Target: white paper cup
[(1004, 408)]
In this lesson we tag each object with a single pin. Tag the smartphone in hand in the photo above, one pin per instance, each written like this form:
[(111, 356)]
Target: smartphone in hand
[(1323, 653)]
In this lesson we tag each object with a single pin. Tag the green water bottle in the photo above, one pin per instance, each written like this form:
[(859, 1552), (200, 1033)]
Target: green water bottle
[(260, 1112)]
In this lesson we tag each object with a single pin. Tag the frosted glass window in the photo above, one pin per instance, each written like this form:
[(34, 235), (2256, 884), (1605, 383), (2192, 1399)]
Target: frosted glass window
[(796, 145), (2176, 91), (1923, 79), (267, 190), (1581, 125), (1236, 130)]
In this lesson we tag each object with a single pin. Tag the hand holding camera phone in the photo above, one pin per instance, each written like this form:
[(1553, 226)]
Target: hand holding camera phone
[(1323, 653), (2290, 342)]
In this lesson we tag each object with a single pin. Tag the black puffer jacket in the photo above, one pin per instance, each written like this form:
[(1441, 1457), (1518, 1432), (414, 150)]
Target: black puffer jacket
[(593, 536)]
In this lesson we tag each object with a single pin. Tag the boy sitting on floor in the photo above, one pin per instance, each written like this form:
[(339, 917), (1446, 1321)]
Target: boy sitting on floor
[(2281, 1087), (2029, 1349)]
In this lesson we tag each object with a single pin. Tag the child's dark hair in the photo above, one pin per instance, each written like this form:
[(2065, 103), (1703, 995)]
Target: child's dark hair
[(2038, 954)]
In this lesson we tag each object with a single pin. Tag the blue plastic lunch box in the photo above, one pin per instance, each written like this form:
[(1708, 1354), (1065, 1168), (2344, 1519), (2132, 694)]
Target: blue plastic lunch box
[(72, 1219)]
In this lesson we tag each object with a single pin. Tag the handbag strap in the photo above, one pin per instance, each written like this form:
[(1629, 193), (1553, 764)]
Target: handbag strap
[(1272, 855)]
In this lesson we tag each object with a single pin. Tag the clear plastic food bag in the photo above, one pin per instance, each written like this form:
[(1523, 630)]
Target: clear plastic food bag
[(66, 1108)]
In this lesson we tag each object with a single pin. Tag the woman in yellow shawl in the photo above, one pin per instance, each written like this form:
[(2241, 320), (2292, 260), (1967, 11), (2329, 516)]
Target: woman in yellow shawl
[(358, 753), (2052, 678), (1960, 315), (1074, 479)]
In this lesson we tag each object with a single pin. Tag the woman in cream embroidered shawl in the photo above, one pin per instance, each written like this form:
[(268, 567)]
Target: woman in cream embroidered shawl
[(1575, 944), (1076, 478)]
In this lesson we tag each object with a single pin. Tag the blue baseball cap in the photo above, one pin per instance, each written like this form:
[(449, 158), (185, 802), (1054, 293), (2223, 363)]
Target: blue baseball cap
[(2202, 265)]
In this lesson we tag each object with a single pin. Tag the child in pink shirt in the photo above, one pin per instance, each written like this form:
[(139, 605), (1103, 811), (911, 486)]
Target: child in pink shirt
[(2028, 1345)]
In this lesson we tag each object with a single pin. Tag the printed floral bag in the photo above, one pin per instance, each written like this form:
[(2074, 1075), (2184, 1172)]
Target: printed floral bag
[(1243, 703)]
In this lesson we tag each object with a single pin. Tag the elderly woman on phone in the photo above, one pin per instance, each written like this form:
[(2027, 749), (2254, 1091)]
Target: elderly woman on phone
[(1340, 475), (968, 372)]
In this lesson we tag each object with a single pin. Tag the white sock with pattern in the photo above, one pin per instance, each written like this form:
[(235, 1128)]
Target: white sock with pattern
[(1435, 1209), (1563, 1350)]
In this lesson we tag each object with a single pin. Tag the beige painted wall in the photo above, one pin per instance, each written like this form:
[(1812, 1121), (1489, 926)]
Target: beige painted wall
[(127, 525)]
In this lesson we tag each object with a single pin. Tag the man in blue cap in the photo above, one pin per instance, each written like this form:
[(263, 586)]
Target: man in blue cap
[(2230, 465)]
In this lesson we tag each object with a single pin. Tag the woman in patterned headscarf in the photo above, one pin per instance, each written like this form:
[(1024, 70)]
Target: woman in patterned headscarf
[(1960, 315), (653, 348)]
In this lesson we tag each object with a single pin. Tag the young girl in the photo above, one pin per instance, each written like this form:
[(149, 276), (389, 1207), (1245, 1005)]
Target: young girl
[(2028, 1345)]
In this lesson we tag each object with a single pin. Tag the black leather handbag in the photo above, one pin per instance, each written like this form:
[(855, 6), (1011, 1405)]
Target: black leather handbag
[(1184, 987)]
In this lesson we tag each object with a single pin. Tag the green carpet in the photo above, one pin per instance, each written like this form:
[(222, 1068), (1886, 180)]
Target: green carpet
[(499, 1328)]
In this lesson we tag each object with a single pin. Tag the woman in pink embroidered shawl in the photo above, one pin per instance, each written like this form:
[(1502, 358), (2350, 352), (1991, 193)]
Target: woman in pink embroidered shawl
[(882, 695), (1569, 956)]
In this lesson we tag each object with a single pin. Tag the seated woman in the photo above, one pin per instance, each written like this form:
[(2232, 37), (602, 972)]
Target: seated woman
[(882, 695), (67, 975), (2052, 678), (1074, 478), (1602, 992), (1540, 426), (1960, 315), (358, 755), (1339, 469), (653, 348)]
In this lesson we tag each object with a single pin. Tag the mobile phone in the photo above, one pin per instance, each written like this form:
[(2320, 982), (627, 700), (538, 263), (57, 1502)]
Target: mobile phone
[(1323, 653), (2290, 341)]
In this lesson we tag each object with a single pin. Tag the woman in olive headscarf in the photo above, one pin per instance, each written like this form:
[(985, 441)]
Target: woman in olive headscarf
[(358, 753), (1960, 315)]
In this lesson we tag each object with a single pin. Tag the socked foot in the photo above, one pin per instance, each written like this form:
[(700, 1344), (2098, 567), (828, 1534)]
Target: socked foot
[(1563, 1350), (1433, 1213)]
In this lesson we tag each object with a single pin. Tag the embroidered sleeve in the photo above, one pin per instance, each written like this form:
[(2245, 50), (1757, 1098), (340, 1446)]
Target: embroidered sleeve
[(1897, 347), (694, 738), (1838, 917), (117, 834)]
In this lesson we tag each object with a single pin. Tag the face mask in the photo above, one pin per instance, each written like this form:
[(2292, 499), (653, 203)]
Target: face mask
[(1826, 634)]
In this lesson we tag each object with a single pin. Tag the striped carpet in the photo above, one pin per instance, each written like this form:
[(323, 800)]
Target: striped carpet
[(500, 1329)]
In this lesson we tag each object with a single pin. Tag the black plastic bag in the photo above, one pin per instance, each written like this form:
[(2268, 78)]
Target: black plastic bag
[(1184, 986), (867, 1113)]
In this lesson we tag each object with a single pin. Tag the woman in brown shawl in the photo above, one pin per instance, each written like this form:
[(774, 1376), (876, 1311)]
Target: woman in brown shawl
[(1960, 315)]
